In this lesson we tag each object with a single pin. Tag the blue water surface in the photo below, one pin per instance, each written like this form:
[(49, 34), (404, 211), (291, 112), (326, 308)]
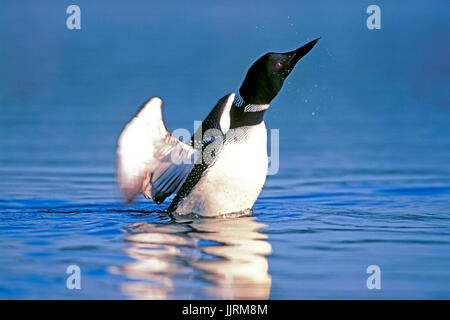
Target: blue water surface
[(364, 127)]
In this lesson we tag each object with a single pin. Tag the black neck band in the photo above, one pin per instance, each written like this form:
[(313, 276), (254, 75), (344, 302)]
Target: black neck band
[(239, 118)]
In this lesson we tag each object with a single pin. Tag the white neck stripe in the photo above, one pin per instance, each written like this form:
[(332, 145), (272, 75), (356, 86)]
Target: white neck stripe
[(256, 107), (239, 102)]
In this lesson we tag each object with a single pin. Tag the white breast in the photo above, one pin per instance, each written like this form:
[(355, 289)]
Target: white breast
[(234, 181)]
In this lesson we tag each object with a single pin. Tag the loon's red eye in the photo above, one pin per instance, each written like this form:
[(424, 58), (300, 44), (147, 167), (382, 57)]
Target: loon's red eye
[(278, 64)]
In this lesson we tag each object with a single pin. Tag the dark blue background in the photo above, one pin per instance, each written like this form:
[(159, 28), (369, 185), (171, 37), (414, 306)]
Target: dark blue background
[(364, 125)]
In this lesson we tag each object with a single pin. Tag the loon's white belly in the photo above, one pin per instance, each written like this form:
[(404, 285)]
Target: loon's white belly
[(234, 181)]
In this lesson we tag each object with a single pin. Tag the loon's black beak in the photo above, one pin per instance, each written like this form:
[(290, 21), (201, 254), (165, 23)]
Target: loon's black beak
[(295, 55)]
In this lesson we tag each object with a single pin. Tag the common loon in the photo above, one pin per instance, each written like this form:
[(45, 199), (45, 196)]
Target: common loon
[(223, 168)]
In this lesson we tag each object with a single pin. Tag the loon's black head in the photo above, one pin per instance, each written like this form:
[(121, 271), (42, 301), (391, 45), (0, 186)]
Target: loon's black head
[(266, 76)]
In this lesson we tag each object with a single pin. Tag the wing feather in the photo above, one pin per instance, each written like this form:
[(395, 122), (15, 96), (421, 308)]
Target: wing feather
[(151, 160)]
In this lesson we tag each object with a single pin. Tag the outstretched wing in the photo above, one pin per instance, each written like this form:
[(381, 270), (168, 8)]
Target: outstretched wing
[(149, 159), (152, 161)]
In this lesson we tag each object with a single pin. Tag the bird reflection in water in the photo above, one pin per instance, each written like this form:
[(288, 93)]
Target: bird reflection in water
[(175, 260)]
